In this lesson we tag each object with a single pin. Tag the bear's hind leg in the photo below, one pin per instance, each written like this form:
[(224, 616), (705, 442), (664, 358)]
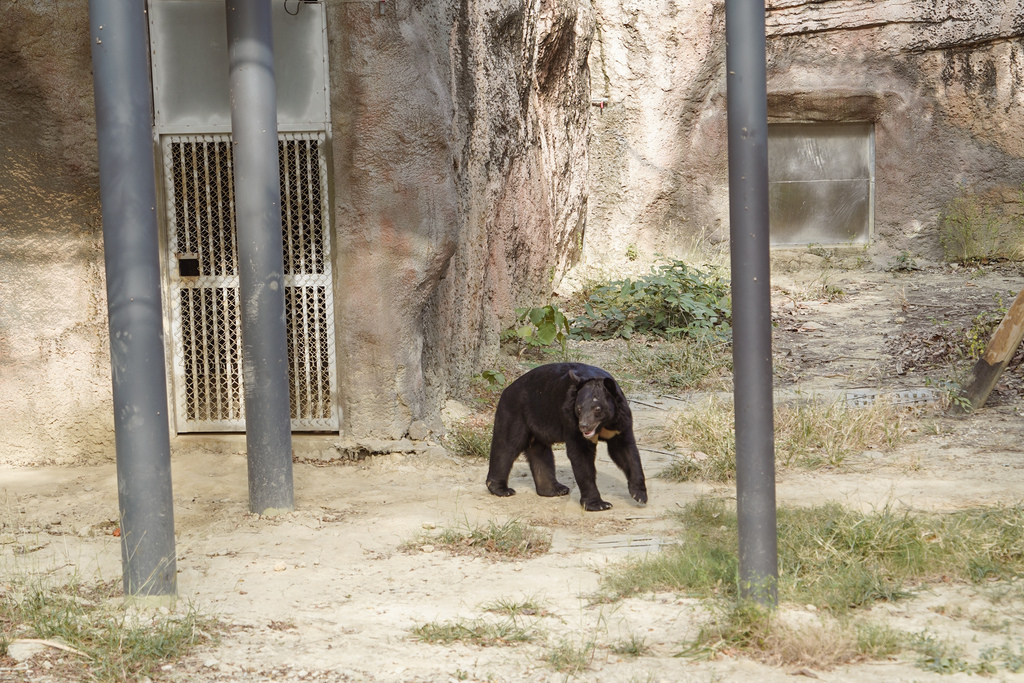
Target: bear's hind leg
[(506, 445), (542, 465)]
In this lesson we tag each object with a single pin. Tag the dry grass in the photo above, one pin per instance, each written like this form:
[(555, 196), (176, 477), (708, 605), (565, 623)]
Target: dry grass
[(513, 540), (808, 434)]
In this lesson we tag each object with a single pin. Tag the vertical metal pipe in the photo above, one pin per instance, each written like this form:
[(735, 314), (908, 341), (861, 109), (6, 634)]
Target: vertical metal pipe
[(752, 337), (124, 125), (260, 259)]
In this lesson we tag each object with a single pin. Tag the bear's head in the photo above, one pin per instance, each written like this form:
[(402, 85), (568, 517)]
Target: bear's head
[(595, 406)]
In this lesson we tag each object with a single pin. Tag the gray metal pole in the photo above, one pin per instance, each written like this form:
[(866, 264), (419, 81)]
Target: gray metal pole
[(124, 127), (751, 299), (260, 259)]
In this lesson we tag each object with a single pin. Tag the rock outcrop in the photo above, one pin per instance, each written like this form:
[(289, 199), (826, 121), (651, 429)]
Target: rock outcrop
[(942, 82), (461, 189)]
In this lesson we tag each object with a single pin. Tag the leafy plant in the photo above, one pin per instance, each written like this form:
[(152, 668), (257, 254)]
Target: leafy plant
[(672, 300), (495, 379), (983, 325), (540, 327), (904, 263)]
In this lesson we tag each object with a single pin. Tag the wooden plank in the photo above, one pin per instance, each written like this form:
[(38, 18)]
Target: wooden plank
[(1001, 348)]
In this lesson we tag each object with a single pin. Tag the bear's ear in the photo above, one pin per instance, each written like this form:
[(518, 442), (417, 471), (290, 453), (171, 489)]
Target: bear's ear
[(576, 380), (569, 404), (621, 404)]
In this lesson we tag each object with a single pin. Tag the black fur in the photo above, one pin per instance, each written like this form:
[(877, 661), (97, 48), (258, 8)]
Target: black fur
[(568, 403)]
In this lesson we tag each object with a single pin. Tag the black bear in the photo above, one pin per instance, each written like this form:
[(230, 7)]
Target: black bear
[(569, 403)]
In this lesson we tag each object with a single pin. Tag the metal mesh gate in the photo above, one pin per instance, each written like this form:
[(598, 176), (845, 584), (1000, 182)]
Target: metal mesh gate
[(207, 359)]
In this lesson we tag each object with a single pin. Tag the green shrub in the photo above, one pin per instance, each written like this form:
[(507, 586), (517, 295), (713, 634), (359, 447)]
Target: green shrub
[(972, 230), (673, 300), (539, 327)]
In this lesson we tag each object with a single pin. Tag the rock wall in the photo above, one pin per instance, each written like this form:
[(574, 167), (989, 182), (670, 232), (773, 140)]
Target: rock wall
[(54, 367), (942, 81), (471, 170), (459, 192), (460, 175)]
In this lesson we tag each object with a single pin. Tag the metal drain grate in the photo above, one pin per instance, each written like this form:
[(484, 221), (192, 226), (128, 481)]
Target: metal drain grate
[(862, 398), (207, 369), (627, 544)]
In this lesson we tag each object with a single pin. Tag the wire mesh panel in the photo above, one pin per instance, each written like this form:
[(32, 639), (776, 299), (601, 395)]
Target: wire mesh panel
[(207, 365)]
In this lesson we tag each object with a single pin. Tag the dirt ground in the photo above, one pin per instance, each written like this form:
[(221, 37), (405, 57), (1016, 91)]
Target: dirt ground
[(331, 592)]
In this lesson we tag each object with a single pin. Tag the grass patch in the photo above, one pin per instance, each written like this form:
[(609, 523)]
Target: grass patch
[(117, 642), (820, 288), (833, 557), (746, 628), (633, 646), (513, 540), (514, 608), (808, 434), (674, 365), (837, 560), (483, 632), (571, 657), (470, 438)]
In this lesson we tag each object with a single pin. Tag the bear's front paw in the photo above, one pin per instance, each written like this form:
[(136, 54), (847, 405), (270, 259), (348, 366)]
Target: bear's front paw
[(596, 505), (500, 489), (639, 494), (556, 490)]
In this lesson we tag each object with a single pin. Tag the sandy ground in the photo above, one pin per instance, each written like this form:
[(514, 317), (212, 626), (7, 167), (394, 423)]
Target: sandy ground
[(331, 591)]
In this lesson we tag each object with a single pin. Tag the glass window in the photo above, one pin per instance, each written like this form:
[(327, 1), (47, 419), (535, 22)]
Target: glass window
[(821, 179)]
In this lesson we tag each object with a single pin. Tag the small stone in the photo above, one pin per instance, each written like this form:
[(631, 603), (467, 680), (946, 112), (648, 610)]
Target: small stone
[(280, 567), (418, 430), (21, 651), (427, 548)]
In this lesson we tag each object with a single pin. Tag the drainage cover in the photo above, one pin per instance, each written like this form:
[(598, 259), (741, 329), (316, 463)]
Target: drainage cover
[(626, 544)]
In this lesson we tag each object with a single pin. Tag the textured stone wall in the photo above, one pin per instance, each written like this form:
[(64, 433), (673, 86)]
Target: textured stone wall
[(471, 170), (460, 176), (459, 192), (54, 368), (942, 81)]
